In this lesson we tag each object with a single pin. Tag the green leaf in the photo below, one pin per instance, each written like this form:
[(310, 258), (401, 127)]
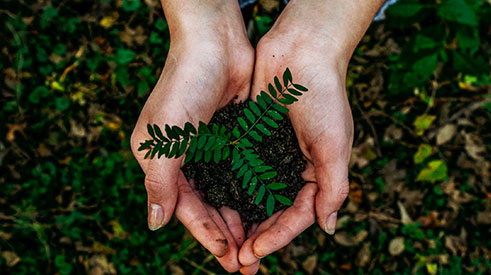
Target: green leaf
[(174, 150), (263, 129), (145, 145), (147, 154), (210, 143), (193, 144), (255, 162), (284, 200), (246, 179), (250, 116), (159, 134), (268, 175), (270, 122), (236, 132), (424, 151), (170, 133), (436, 170), (154, 151), (404, 9), (202, 141), (252, 186), (287, 77), (242, 171), (270, 205), (263, 168), (235, 155), (237, 164), (274, 114), (189, 128), (150, 130), (276, 186), (226, 153), (260, 195), (207, 156), (178, 131), (124, 56), (189, 157), (272, 91), (290, 97), (277, 83), (217, 156), (422, 122), (183, 146), (266, 97), (222, 131), (458, 11), (245, 143), (203, 128), (167, 148), (294, 92), (254, 108), (243, 124), (255, 136), (300, 87), (198, 156), (215, 128), (261, 102), (280, 108), (285, 101)]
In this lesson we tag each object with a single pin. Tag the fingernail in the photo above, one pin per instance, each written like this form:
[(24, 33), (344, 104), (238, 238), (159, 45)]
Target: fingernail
[(330, 226), (156, 217), (259, 257)]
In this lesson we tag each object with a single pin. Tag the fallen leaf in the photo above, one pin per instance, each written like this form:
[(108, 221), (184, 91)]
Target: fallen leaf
[(445, 133), (484, 217), (310, 264), (10, 258), (424, 151), (432, 268), (422, 123), (344, 239), (405, 219), (396, 246), (435, 170), (364, 255)]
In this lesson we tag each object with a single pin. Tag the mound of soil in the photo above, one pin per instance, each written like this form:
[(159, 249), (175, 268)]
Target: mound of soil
[(219, 183)]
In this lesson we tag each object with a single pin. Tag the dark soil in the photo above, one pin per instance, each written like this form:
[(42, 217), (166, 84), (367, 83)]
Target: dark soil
[(280, 151)]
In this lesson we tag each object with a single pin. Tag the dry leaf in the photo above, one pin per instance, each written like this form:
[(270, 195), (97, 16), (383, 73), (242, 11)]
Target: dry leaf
[(405, 219), (445, 133), (310, 264), (396, 246), (344, 239), (363, 257), (10, 258)]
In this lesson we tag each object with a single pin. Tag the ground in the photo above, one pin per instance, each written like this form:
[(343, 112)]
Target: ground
[(75, 74)]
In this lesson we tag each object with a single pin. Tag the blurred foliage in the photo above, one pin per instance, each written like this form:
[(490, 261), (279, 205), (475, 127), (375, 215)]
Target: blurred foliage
[(75, 75)]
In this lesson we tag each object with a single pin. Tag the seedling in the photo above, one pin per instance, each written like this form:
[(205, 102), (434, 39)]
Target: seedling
[(213, 142)]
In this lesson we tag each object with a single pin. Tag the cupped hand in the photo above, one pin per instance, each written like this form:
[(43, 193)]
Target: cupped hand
[(205, 70), (323, 124)]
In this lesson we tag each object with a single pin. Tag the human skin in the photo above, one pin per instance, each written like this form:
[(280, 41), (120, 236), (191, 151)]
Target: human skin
[(315, 40), (207, 67)]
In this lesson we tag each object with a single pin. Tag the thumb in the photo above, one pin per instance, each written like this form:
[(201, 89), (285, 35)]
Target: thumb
[(161, 184), (331, 171)]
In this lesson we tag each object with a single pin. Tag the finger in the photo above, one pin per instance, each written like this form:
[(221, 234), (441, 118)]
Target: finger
[(246, 253), (229, 261), (194, 216), (161, 185), (331, 170), (290, 224), (251, 269), (234, 224), (252, 230)]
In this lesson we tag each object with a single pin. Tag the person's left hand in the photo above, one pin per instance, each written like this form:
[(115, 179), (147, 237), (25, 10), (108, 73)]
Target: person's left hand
[(324, 127)]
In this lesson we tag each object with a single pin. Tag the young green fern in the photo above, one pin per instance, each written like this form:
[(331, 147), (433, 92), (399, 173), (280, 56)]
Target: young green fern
[(214, 142)]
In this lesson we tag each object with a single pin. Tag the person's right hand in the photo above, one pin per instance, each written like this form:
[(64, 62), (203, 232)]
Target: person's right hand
[(209, 64)]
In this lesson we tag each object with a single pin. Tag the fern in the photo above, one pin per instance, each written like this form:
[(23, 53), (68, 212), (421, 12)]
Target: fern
[(214, 143)]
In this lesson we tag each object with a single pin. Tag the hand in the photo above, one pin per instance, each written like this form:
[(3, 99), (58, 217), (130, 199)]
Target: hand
[(315, 40), (209, 64)]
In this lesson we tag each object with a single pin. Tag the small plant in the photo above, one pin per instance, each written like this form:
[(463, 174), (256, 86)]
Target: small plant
[(214, 142)]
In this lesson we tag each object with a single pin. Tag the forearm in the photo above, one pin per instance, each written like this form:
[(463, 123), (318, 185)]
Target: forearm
[(339, 23)]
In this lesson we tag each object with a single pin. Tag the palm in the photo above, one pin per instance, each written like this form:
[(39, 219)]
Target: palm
[(323, 125), (191, 88)]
